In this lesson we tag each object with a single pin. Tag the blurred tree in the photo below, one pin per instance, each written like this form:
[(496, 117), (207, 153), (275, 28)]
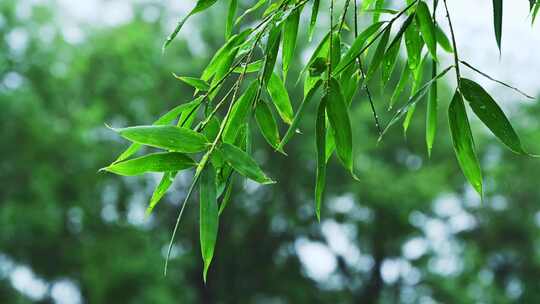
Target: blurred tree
[(410, 231)]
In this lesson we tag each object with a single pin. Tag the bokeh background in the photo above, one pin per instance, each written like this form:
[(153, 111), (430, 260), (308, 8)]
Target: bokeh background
[(410, 231)]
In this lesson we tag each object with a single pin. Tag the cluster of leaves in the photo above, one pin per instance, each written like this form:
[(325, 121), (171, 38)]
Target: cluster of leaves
[(215, 139)]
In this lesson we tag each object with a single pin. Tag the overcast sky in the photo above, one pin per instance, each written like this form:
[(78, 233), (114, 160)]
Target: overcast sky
[(473, 22)]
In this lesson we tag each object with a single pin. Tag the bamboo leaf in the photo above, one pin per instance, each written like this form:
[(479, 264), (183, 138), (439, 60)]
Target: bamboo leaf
[(209, 218), (497, 20), (320, 179), (250, 10), (356, 48), (350, 82), (414, 44), (378, 5), (166, 137), (313, 20), (389, 62), (241, 162), (299, 113), (166, 181), (463, 142), (223, 55), (413, 100), (167, 118), (491, 114), (155, 162), (267, 123), (197, 83), (239, 113), (227, 195), (379, 54), (199, 7), (403, 80), (418, 76), (431, 111), (290, 33), (280, 97), (338, 116), (271, 53), (233, 7), (443, 40), (253, 67), (427, 28)]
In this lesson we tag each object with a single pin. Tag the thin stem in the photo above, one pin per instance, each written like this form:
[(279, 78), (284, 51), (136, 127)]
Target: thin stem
[(465, 63), (379, 34), (345, 8), (363, 75), (330, 50), (355, 19), (454, 44)]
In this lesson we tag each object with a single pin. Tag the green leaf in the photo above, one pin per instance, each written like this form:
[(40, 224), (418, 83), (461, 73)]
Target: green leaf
[(250, 10), (403, 80), (197, 83), (292, 128), (290, 33), (280, 97), (320, 179), (408, 119), (418, 76), (366, 4), (209, 218), (497, 20), (413, 100), (252, 67), (167, 118), (155, 162), (233, 6), (338, 116), (319, 66), (227, 196), (320, 51), (199, 7), (239, 113), (378, 5), (427, 28), (379, 54), (211, 129), (271, 53), (382, 11), (391, 54), (350, 82), (414, 44), (389, 62), (336, 49), (463, 142), (431, 111), (166, 181), (267, 123), (443, 40), (166, 137), (357, 47), (491, 114), (188, 115), (313, 20), (223, 55), (243, 163)]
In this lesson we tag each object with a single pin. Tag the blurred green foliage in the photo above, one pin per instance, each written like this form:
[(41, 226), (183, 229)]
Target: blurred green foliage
[(410, 231)]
